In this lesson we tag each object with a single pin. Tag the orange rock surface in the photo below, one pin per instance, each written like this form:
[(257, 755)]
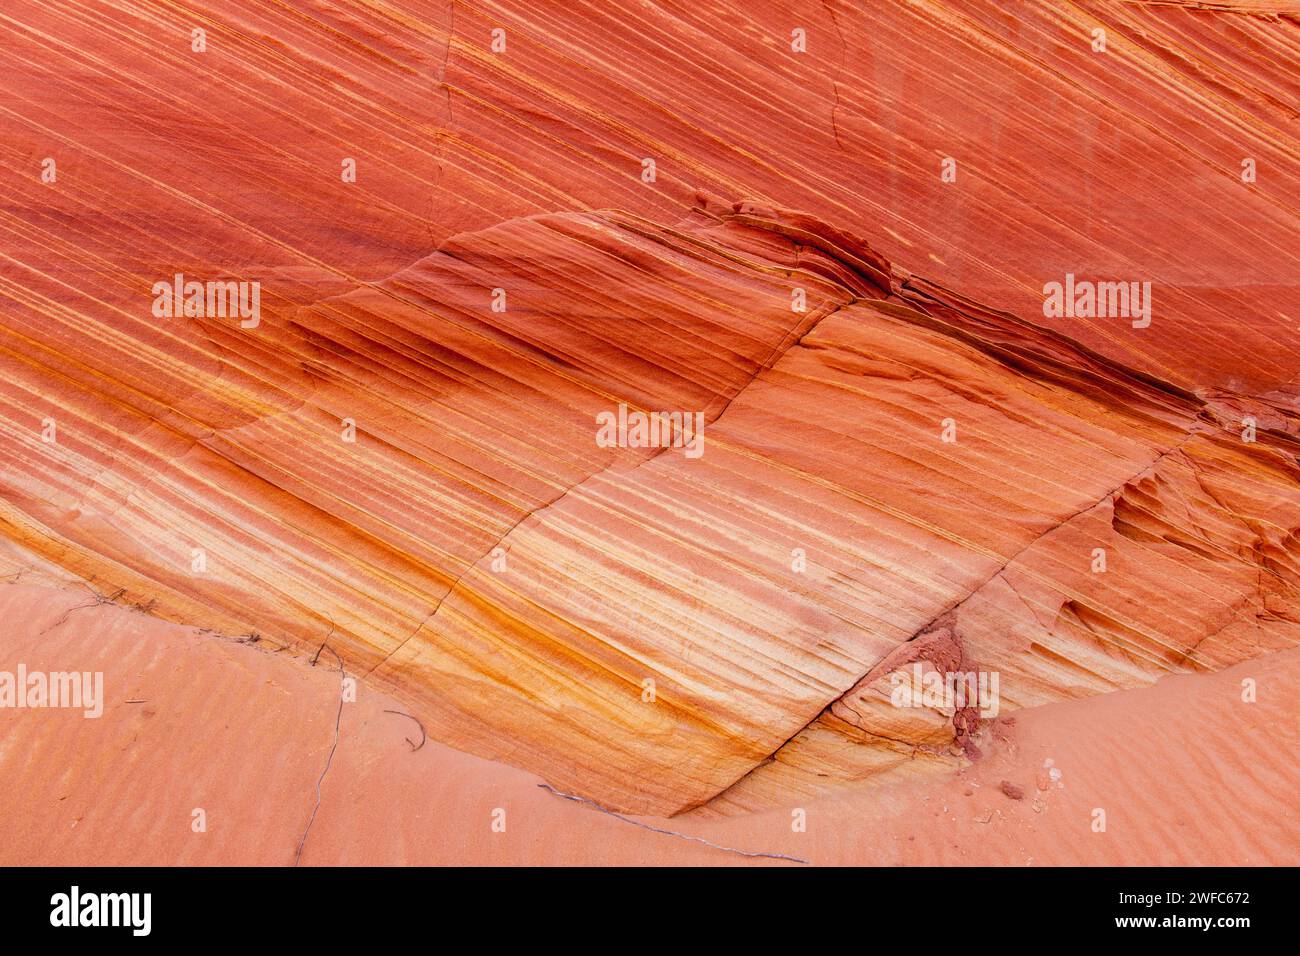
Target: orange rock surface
[(243, 731), (904, 460)]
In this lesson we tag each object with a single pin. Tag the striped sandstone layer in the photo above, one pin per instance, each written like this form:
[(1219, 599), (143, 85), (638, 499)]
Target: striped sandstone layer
[(475, 442), (475, 428)]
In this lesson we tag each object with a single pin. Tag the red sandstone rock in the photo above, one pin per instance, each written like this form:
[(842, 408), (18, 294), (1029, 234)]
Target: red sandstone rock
[(918, 468)]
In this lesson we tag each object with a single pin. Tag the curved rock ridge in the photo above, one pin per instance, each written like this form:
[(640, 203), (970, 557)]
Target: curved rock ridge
[(642, 625), (191, 718)]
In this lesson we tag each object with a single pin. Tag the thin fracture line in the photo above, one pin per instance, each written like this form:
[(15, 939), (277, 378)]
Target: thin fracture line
[(653, 829), (338, 719)]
